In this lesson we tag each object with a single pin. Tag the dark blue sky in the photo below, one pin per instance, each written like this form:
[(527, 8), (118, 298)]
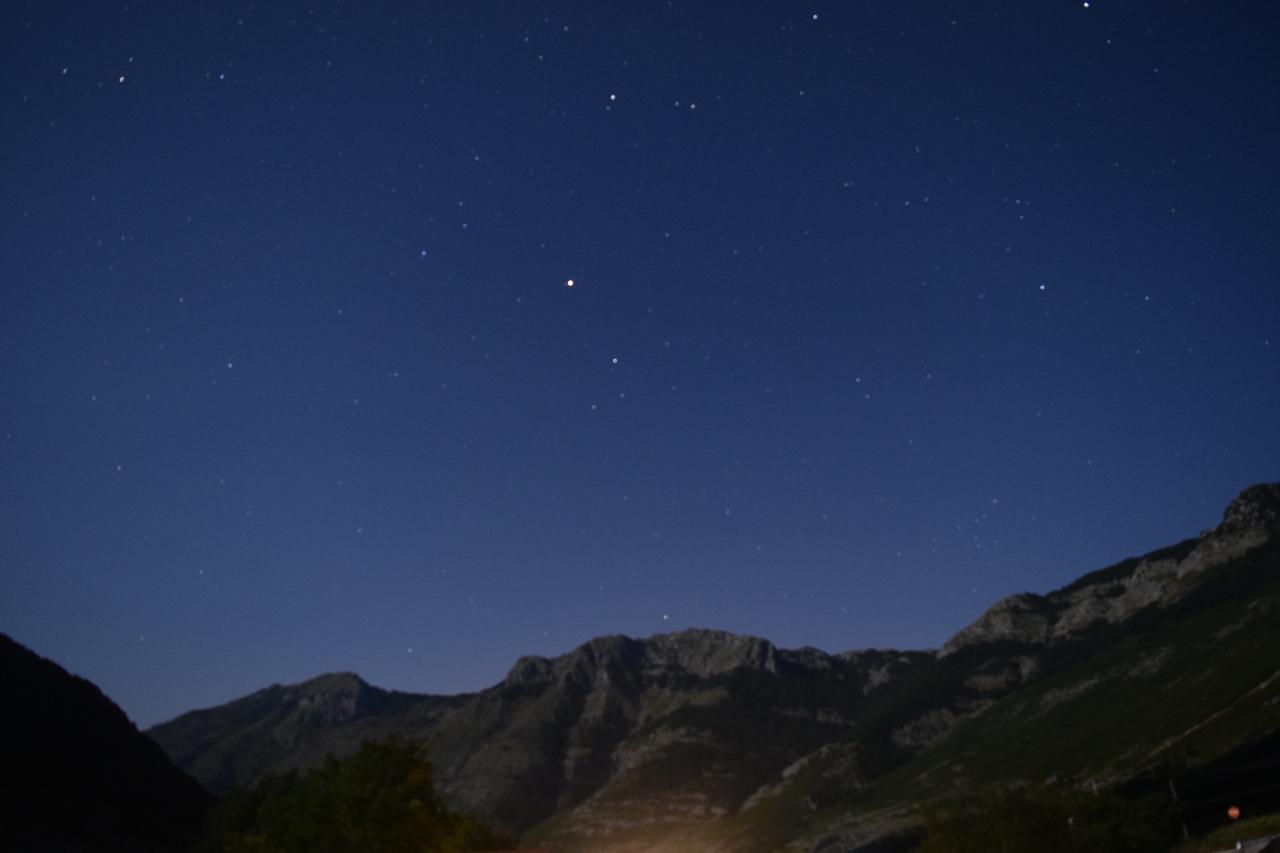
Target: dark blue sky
[(881, 311)]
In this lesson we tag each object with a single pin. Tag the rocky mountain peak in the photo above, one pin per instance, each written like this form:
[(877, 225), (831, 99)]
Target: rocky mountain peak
[(1248, 521), (703, 652), (697, 651), (329, 699), (334, 683), (590, 656), (529, 669), (1257, 507), (1021, 618)]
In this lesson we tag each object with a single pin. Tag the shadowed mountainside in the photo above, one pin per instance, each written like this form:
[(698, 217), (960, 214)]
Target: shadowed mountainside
[(77, 775)]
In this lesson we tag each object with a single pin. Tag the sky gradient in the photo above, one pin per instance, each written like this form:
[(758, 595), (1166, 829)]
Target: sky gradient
[(880, 311)]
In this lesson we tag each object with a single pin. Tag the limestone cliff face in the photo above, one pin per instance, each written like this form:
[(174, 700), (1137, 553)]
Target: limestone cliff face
[(697, 652), (1113, 595), (708, 653)]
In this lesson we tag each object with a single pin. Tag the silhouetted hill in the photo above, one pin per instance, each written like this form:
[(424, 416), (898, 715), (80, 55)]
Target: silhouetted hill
[(76, 775)]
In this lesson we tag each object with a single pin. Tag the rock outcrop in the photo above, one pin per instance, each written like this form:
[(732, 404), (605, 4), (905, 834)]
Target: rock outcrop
[(1116, 593)]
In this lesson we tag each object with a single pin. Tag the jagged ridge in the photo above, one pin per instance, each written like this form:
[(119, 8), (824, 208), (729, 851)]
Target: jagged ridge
[(1116, 593), (623, 740), (556, 731)]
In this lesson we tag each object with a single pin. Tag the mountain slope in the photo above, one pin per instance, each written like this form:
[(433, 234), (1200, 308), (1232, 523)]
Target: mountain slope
[(708, 741), (558, 731), (1190, 675), (76, 774), (284, 728)]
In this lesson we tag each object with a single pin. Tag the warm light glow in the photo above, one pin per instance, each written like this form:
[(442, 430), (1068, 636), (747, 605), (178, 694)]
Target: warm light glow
[(1233, 812)]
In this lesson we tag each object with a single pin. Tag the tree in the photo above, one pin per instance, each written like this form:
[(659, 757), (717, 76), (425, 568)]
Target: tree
[(380, 799)]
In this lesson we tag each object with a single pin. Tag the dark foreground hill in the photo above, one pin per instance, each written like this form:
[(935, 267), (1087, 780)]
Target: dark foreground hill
[(1144, 672), (76, 775)]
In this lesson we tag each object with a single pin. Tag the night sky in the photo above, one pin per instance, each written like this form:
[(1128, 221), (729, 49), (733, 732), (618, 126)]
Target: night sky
[(409, 338)]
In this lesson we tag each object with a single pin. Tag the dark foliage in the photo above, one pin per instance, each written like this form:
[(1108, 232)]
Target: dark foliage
[(380, 799), (1248, 778), (1048, 820)]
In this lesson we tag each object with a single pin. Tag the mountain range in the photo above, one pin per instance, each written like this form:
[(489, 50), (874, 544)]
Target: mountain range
[(1161, 672)]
